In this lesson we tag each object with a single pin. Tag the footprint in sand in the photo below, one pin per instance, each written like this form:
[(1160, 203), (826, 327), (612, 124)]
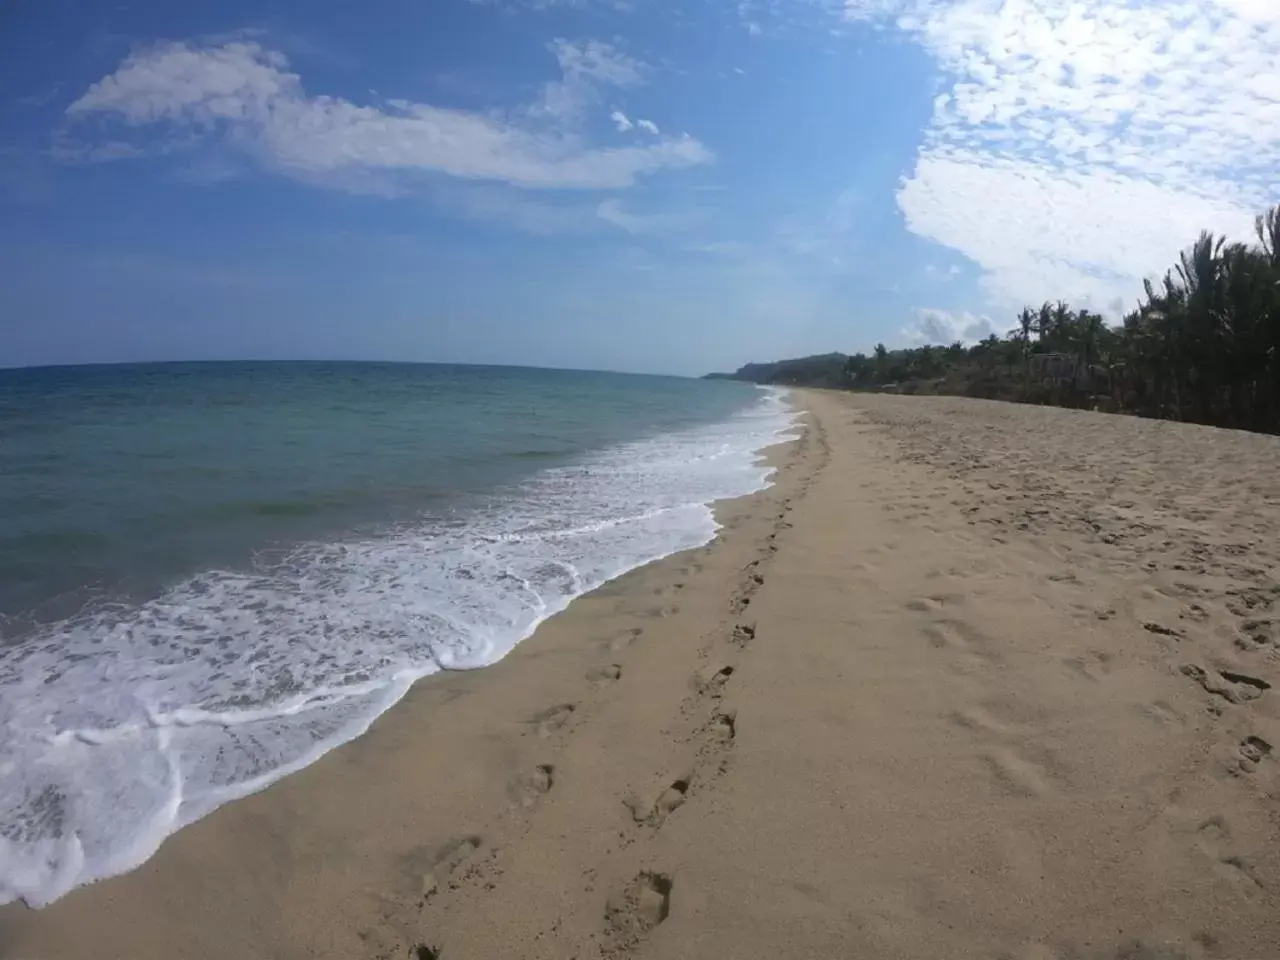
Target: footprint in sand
[(1179, 590), (711, 680), (1017, 774), (1161, 630), (978, 720), (525, 791), (723, 726), (1252, 601), (1161, 713), (1259, 634), (668, 800), (946, 634), (632, 913), (661, 612), (604, 675), (1254, 750), (432, 869), (1229, 685), (548, 721), (1194, 612), (1213, 837), (962, 638), (1094, 665), (625, 639), (743, 634)]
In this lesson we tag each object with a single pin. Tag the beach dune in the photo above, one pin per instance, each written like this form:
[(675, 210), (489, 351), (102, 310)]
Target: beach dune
[(971, 680)]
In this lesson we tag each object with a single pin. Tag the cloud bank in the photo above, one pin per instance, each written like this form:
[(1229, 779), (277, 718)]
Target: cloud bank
[(943, 328), (175, 95), (1080, 144)]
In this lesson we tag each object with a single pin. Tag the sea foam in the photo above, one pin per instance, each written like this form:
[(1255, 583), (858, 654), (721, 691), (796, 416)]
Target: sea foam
[(125, 723)]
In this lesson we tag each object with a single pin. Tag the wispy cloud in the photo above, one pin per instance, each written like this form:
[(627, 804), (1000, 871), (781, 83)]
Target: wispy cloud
[(514, 209), (937, 274), (244, 95), (585, 68), (733, 249), (41, 99), (1080, 143), (944, 327), (555, 214), (625, 123), (747, 17), (613, 212)]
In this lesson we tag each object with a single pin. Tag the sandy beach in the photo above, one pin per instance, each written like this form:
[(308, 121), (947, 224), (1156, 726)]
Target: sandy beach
[(971, 680)]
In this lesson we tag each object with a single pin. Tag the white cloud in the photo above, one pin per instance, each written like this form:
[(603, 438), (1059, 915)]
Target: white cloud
[(620, 118), (1080, 144), (513, 208), (938, 275), (748, 17), (733, 249), (596, 60), (648, 126), (107, 150), (612, 212), (40, 99), (1088, 237), (943, 327), (244, 95), (585, 68)]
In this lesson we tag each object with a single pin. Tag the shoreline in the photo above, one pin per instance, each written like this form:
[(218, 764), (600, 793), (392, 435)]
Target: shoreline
[(422, 697), (253, 739), (970, 680)]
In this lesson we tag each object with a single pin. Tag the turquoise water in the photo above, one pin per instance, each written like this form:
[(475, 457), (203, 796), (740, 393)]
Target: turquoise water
[(211, 574), (116, 478)]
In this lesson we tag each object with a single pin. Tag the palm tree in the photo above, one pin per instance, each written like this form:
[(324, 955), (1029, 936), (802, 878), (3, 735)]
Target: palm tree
[(1089, 329), (1202, 344), (1026, 323), (1267, 226), (881, 363)]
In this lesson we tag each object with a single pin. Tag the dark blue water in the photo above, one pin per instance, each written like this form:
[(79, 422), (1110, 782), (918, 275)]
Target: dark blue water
[(211, 574)]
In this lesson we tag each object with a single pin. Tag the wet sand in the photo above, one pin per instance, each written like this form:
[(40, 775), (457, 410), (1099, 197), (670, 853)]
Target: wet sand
[(971, 680)]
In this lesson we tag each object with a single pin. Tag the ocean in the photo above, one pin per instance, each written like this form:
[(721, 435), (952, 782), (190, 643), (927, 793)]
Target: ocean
[(211, 574)]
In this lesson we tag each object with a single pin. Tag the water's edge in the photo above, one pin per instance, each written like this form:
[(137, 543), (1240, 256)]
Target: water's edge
[(66, 863)]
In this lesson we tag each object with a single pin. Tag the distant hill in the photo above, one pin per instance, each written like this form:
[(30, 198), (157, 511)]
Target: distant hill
[(823, 370)]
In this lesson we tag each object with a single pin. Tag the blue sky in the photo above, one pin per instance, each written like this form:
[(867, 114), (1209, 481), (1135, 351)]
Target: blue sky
[(649, 185)]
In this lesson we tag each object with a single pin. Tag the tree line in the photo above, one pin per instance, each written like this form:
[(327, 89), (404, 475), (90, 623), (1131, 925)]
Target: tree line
[(1201, 346)]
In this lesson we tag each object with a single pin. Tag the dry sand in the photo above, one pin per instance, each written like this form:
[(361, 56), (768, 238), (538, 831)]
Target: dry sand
[(973, 680)]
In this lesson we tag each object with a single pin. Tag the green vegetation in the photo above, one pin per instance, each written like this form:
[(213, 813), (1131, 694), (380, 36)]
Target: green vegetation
[(1202, 346), (827, 370)]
